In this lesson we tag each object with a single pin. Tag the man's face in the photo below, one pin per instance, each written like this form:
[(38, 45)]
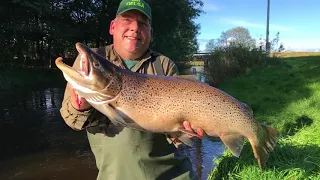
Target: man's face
[(131, 33)]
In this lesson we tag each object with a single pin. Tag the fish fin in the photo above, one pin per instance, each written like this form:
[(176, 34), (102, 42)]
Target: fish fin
[(185, 139), (264, 144), (234, 142), (128, 120), (117, 117), (112, 115), (247, 107), (191, 133)]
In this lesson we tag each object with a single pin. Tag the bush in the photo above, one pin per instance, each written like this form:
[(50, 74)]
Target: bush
[(233, 60)]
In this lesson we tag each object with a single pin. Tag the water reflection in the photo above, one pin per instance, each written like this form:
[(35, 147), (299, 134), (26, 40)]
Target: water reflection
[(28, 119), (31, 128), (202, 155)]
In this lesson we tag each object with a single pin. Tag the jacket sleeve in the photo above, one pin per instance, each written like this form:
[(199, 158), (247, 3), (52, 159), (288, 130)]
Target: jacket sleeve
[(72, 117), (169, 67)]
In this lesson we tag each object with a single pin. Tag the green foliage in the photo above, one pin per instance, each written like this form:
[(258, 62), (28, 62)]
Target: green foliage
[(35, 32), (275, 47), (234, 60), (238, 36), (174, 31), (210, 46), (286, 97), (235, 53)]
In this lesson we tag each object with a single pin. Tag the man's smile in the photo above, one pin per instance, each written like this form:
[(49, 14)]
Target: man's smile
[(132, 38)]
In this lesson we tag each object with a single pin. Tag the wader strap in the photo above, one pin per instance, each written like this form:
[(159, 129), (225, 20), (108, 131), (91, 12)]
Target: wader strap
[(158, 66)]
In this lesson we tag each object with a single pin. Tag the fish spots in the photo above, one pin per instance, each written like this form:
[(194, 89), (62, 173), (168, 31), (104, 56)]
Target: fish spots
[(171, 100)]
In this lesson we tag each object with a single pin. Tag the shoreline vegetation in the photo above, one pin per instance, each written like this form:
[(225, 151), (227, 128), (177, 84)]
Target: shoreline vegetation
[(17, 78), (13, 77), (285, 96)]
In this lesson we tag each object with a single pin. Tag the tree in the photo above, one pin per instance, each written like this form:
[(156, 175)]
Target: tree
[(211, 44), (237, 36), (40, 30), (274, 44), (232, 54), (174, 31), (275, 47)]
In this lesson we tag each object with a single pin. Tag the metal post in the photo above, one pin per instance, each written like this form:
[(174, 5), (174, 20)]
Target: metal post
[(267, 33)]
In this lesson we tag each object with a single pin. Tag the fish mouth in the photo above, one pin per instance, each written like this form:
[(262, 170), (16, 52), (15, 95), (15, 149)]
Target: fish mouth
[(84, 62), (84, 80), (79, 79)]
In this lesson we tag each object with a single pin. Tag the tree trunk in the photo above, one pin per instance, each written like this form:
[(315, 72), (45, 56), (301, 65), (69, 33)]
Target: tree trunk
[(49, 55)]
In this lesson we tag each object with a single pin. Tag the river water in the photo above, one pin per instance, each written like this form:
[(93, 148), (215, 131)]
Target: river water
[(37, 144)]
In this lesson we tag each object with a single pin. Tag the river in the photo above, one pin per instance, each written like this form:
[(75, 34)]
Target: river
[(37, 144)]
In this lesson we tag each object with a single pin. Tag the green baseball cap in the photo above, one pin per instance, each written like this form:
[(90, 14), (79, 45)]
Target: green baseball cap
[(140, 5)]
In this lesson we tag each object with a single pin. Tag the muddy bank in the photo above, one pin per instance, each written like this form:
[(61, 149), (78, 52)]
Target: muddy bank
[(49, 165)]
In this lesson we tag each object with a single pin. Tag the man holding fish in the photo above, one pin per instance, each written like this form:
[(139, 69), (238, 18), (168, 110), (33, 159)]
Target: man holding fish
[(130, 154)]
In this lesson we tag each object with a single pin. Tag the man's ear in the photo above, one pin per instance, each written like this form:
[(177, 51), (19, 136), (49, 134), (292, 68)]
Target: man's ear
[(111, 28)]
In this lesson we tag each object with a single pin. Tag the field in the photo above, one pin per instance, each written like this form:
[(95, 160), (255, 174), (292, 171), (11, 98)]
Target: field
[(287, 97)]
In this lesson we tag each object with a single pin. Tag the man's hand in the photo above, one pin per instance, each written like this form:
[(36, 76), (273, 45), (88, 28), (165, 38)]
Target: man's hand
[(187, 126)]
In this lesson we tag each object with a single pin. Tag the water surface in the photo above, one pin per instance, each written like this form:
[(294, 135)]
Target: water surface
[(37, 144)]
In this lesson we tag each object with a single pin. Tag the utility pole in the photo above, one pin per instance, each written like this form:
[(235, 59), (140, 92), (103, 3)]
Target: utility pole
[(267, 33)]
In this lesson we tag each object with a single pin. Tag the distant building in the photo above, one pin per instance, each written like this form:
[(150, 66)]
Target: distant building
[(197, 63)]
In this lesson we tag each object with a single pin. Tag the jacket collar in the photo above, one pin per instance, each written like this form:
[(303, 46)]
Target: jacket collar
[(113, 56)]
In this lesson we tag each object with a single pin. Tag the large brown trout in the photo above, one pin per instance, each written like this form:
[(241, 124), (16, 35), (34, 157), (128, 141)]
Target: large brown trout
[(160, 104)]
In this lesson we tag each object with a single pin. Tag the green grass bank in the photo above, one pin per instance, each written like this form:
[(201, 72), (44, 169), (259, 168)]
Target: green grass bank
[(287, 97)]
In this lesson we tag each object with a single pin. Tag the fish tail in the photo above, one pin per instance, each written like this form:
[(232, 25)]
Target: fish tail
[(265, 143)]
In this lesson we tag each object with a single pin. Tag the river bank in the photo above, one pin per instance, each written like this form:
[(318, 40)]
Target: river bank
[(28, 78), (286, 97)]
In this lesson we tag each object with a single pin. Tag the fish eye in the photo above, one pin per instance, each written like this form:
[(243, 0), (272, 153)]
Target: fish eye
[(96, 64)]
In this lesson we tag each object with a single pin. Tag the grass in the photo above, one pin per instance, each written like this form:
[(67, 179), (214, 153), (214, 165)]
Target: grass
[(287, 97), (298, 54)]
